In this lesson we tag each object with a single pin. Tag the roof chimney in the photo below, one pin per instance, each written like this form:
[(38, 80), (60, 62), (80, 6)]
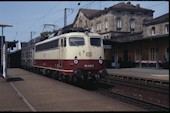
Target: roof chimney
[(128, 3), (138, 5)]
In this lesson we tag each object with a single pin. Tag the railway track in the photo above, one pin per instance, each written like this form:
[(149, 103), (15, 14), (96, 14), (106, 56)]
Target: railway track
[(151, 98), (143, 83), (153, 88)]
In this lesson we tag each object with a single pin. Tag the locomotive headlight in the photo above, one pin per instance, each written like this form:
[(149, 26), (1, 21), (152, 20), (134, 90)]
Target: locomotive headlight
[(75, 60), (100, 61)]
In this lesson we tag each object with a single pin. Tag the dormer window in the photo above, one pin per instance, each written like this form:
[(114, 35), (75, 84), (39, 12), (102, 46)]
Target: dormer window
[(153, 31), (166, 29)]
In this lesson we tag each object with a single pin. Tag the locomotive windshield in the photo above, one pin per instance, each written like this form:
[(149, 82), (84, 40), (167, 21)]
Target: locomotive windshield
[(76, 41), (95, 41)]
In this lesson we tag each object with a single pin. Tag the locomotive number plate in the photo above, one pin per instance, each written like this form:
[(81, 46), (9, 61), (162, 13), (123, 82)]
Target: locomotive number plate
[(88, 65)]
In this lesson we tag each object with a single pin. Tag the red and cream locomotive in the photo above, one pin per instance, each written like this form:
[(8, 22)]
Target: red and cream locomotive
[(70, 56)]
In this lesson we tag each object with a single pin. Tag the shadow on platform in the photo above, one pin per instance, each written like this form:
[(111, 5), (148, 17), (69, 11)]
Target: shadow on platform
[(9, 79)]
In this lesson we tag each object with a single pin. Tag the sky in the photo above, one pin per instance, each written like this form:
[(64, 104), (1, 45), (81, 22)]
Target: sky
[(30, 16)]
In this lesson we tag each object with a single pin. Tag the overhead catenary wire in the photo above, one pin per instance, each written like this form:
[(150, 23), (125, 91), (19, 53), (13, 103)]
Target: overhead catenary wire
[(47, 14), (85, 6), (34, 20)]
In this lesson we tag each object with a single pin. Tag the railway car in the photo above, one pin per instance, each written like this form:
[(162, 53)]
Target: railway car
[(70, 56), (27, 56)]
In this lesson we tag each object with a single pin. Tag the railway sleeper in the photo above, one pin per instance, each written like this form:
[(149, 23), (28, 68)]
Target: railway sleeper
[(157, 83), (166, 84)]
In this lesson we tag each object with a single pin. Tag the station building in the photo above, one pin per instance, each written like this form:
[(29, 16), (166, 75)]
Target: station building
[(132, 37)]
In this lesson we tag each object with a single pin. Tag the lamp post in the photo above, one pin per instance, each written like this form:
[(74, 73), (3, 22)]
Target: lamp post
[(2, 45)]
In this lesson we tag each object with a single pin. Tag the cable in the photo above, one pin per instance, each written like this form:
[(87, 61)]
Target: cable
[(62, 18), (74, 11), (50, 9)]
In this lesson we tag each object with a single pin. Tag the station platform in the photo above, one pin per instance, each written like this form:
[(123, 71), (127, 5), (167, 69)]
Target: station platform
[(34, 93), (154, 74)]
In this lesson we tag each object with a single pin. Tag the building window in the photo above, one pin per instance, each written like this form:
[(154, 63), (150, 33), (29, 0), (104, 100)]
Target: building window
[(153, 53), (98, 27), (166, 29), (166, 57), (86, 25), (153, 31), (92, 29), (132, 25), (106, 24), (80, 23), (118, 24), (138, 54), (107, 36)]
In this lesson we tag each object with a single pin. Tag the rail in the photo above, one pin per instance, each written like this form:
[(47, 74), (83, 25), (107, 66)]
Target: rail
[(131, 100), (147, 95), (156, 85)]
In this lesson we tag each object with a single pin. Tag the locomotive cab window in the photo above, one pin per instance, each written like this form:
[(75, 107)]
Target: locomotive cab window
[(76, 41), (95, 41)]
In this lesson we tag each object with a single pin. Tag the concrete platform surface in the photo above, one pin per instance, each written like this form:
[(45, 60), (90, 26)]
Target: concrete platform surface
[(159, 74), (39, 93)]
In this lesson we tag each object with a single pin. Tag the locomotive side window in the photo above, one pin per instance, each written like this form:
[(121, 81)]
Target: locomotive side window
[(95, 41), (76, 41), (48, 45), (54, 44), (61, 42), (64, 42)]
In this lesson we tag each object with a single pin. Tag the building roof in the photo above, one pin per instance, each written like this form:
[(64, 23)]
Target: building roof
[(89, 12), (130, 6), (133, 37), (123, 7), (160, 19)]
